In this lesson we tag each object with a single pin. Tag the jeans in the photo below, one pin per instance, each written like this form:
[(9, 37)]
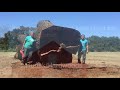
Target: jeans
[(82, 55), (28, 52)]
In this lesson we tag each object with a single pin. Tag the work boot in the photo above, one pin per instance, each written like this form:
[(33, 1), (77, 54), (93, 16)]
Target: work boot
[(79, 61), (22, 62), (83, 62)]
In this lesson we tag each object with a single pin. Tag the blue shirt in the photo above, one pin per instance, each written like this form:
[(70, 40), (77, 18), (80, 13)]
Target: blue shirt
[(29, 41), (84, 44)]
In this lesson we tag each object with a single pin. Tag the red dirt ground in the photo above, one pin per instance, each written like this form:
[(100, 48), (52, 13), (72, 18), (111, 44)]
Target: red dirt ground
[(63, 71)]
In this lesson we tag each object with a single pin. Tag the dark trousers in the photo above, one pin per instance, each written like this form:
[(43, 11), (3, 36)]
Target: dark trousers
[(28, 53), (82, 55)]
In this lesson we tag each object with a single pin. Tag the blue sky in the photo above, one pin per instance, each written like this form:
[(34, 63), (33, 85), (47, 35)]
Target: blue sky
[(88, 23)]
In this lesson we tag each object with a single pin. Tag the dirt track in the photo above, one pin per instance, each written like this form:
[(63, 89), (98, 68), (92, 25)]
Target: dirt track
[(98, 66)]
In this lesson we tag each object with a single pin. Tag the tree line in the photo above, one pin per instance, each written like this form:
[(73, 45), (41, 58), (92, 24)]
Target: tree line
[(104, 44), (96, 43), (13, 38)]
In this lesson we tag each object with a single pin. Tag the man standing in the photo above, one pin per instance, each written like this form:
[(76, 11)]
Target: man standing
[(28, 47), (84, 49)]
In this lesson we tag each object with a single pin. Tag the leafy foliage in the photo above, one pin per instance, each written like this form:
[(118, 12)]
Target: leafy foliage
[(96, 43), (101, 44), (12, 38)]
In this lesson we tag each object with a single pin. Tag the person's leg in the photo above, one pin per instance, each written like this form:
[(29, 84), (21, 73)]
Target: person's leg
[(84, 57), (25, 52), (30, 52), (25, 55), (79, 57)]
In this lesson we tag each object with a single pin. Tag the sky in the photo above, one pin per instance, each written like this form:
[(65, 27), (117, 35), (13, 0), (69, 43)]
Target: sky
[(88, 23)]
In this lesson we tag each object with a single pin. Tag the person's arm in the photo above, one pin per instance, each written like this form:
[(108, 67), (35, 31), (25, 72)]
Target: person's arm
[(87, 48)]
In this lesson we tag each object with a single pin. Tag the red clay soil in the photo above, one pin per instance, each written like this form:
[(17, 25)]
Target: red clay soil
[(63, 71)]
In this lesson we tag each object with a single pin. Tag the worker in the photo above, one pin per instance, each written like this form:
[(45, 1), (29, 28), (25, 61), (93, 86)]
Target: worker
[(83, 49), (29, 46)]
